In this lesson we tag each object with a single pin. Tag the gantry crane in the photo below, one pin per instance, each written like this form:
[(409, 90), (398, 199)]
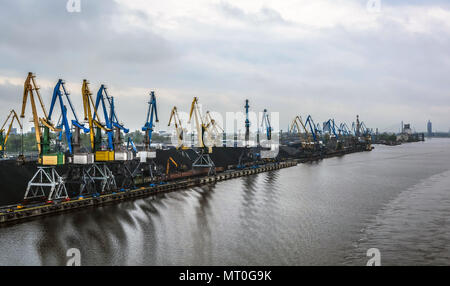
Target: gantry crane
[(95, 171), (178, 126), (147, 156), (4, 138), (46, 176), (203, 160)]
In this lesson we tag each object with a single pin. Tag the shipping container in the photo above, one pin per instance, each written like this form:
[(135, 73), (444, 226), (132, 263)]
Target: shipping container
[(83, 159), (103, 156)]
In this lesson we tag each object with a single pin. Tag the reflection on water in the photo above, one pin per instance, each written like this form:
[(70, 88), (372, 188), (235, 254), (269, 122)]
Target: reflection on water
[(412, 229), (396, 199)]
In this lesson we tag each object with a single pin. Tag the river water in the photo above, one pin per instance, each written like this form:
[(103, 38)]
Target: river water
[(395, 199)]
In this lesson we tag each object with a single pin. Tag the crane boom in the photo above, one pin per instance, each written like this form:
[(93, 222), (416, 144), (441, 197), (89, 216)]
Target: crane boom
[(312, 127), (88, 107), (299, 125), (201, 127), (212, 127), (29, 90), (87, 101), (3, 140), (178, 127), (58, 93)]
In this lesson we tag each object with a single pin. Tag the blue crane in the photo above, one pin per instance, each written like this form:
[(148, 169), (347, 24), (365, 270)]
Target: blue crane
[(365, 131), (131, 143), (101, 94), (58, 93), (313, 127), (111, 119), (343, 129), (330, 127), (148, 126)]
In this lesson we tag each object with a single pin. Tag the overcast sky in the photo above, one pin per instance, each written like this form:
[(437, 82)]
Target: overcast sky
[(330, 59)]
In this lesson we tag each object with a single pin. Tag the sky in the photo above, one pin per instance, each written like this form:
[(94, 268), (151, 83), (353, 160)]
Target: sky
[(388, 61)]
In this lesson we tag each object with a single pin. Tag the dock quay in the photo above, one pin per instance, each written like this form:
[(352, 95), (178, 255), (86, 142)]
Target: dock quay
[(11, 216)]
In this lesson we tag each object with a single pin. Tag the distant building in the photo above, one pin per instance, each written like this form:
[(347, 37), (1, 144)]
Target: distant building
[(32, 130), (407, 129), (13, 131), (429, 128)]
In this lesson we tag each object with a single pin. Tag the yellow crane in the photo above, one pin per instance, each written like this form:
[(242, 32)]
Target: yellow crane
[(170, 160), (214, 130), (178, 127), (4, 139), (31, 90), (298, 124), (200, 126), (88, 106)]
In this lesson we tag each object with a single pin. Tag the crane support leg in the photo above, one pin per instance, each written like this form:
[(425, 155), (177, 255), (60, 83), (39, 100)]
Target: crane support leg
[(100, 173), (46, 178), (204, 161)]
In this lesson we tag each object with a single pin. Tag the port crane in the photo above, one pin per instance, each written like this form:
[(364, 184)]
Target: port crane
[(365, 131), (46, 176), (95, 171), (4, 138), (148, 126), (116, 149), (344, 130), (109, 118), (199, 124), (297, 126), (314, 131), (203, 160), (214, 130), (146, 162), (73, 139), (330, 127), (89, 108), (42, 139), (265, 124), (178, 126), (313, 128)]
